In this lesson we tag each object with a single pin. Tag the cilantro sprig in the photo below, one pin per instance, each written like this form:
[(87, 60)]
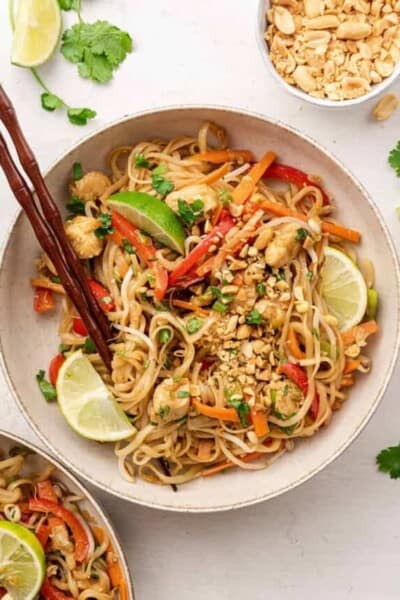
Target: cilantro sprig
[(388, 461), (190, 212), (161, 184), (394, 159), (48, 390), (105, 228)]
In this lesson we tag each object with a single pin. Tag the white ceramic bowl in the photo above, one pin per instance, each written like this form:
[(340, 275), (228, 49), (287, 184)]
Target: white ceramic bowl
[(376, 89), (38, 461), (28, 341)]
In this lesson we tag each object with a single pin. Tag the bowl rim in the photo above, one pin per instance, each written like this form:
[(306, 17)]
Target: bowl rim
[(87, 495), (376, 89), (379, 395)]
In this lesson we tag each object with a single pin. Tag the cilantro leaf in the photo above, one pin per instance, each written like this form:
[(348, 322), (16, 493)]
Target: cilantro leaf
[(242, 409), (80, 116), (220, 307), (141, 161), (50, 102), (97, 48), (76, 206), (70, 5), (77, 171), (48, 390), (89, 346), (301, 234), (127, 246), (388, 461), (190, 212), (161, 184), (106, 226), (254, 318), (394, 159)]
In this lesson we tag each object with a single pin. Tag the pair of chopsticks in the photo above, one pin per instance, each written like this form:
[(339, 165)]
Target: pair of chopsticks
[(48, 227)]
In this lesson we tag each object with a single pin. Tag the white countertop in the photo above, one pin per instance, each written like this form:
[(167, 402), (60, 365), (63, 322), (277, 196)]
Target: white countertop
[(338, 535)]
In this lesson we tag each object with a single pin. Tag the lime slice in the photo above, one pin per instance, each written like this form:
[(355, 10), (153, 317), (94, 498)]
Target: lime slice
[(343, 288), (87, 404), (22, 561), (152, 216), (37, 31)]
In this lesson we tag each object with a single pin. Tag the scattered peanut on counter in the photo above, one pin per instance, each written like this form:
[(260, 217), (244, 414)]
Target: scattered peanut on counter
[(334, 49), (385, 107)]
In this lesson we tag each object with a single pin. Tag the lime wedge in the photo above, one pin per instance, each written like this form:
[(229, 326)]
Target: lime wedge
[(37, 31), (343, 288), (151, 215), (22, 561), (87, 404)]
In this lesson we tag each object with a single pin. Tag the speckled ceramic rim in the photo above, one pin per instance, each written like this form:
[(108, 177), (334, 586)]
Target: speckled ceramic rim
[(357, 430), (106, 521), (376, 89)]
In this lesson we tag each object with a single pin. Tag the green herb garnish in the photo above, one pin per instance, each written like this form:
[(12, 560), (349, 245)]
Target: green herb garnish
[(254, 318), (161, 184), (193, 325), (141, 161), (76, 206), (220, 307), (48, 390), (388, 461), (225, 197), (241, 407), (63, 348), (309, 275), (190, 212), (77, 171), (89, 346), (55, 279), (183, 394), (106, 227), (127, 246), (301, 234), (394, 159), (261, 289), (164, 412), (164, 336)]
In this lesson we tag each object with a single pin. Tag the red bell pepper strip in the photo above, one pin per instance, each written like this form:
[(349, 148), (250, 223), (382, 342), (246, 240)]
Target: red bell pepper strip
[(146, 251), (292, 175), (78, 532), (45, 491), (102, 295), (54, 367), (49, 592), (43, 534), (79, 327), (225, 224), (298, 376), (43, 300)]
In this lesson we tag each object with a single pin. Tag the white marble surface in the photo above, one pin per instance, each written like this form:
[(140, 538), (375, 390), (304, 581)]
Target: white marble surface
[(338, 535)]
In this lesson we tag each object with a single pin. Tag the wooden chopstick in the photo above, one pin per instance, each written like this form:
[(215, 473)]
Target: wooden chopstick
[(49, 208)]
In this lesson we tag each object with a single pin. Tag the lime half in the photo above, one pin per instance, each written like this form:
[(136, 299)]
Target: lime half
[(343, 288), (87, 404), (37, 31), (152, 216), (22, 561)]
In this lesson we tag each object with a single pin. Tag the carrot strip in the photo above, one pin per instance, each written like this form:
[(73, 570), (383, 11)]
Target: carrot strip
[(364, 329), (214, 412), (190, 306), (216, 216), (293, 345), (113, 566), (248, 183), (351, 365), (210, 177), (204, 451), (229, 464), (259, 420), (280, 210), (43, 282), (221, 156)]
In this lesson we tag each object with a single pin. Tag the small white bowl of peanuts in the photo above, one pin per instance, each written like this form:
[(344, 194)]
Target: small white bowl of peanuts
[(332, 53)]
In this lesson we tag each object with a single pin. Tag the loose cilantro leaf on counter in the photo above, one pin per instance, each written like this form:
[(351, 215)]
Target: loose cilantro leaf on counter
[(76, 206), (394, 159), (190, 212), (70, 5), (96, 48), (388, 461), (80, 116), (50, 101)]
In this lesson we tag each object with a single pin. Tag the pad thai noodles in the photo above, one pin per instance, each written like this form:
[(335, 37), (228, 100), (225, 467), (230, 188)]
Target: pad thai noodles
[(210, 265), (80, 561)]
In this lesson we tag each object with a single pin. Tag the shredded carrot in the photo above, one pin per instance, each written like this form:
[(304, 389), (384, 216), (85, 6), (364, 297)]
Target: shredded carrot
[(221, 156), (113, 566), (363, 329), (43, 282), (293, 345), (122, 265), (347, 381), (217, 214), (214, 412), (204, 451), (280, 210), (248, 183), (229, 464), (211, 177), (351, 365), (190, 306), (260, 422), (98, 533), (238, 279)]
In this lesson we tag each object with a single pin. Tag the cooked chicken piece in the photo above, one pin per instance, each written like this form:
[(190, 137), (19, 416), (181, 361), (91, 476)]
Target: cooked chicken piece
[(192, 193), (284, 246), (171, 401), (286, 398), (80, 232), (91, 186)]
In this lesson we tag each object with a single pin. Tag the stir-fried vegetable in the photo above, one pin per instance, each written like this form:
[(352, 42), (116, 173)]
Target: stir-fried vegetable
[(294, 176), (43, 300)]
